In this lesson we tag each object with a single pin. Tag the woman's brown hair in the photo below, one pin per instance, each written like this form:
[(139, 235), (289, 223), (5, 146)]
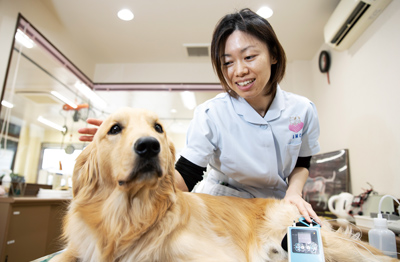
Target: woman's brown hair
[(249, 22)]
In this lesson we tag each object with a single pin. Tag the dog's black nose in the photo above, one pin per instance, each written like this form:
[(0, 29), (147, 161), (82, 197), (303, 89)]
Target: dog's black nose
[(147, 146)]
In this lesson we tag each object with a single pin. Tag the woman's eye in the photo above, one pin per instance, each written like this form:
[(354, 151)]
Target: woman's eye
[(158, 128), (115, 129), (250, 57), (226, 63)]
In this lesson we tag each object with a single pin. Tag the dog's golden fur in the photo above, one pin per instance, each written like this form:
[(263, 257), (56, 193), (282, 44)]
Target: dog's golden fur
[(123, 210)]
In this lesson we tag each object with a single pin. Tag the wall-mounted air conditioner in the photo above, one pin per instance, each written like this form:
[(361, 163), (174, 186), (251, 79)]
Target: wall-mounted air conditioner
[(349, 21)]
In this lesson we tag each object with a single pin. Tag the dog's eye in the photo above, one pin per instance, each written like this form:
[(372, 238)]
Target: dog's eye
[(158, 128), (115, 129)]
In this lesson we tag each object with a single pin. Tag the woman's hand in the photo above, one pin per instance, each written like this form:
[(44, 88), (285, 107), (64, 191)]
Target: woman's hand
[(89, 131), (304, 207), (297, 179)]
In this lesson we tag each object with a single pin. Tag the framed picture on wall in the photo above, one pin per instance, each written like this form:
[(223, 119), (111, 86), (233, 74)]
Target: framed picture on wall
[(329, 175)]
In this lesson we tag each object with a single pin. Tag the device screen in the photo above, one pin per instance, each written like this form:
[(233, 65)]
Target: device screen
[(304, 237), (304, 241)]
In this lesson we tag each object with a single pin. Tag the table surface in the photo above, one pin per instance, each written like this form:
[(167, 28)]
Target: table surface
[(30, 199)]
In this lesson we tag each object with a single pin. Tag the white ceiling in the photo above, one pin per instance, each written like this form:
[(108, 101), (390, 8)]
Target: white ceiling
[(156, 35), (161, 27)]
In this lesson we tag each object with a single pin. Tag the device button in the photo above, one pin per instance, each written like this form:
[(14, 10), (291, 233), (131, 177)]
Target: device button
[(314, 247), (297, 247)]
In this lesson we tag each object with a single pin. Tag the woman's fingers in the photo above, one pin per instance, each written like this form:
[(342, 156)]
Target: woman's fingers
[(94, 121), (314, 215), (89, 132), (307, 211), (86, 138), (304, 208)]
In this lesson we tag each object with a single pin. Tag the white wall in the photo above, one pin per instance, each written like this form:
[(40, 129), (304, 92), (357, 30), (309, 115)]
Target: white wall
[(155, 73), (360, 109), (298, 78)]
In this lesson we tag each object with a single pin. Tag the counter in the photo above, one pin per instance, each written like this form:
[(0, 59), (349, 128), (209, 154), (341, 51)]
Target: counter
[(30, 227)]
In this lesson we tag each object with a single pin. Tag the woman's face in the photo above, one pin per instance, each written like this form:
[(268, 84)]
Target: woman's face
[(246, 65)]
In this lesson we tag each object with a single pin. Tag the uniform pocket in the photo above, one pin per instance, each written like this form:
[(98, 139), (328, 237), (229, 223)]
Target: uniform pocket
[(290, 158)]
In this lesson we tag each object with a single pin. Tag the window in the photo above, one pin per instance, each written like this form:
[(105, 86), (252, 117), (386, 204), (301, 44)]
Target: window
[(56, 166)]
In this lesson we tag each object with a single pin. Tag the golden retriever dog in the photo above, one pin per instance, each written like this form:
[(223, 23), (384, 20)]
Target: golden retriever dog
[(126, 207)]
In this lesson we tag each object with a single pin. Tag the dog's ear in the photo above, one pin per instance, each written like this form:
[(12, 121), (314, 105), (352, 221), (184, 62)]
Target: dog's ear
[(86, 173), (172, 150)]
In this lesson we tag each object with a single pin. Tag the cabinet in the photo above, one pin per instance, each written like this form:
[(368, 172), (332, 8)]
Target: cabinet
[(30, 227)]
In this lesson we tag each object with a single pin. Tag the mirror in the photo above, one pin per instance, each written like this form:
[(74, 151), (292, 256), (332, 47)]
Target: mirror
[(43, 105)]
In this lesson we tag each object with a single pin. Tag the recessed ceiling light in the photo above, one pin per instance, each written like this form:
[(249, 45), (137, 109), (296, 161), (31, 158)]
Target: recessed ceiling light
[(125, 14), (265, 12)]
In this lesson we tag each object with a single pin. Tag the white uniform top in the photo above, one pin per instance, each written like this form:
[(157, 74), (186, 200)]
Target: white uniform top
[(251, 156)]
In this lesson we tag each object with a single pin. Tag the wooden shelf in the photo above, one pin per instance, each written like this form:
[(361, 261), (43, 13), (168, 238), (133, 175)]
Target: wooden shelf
[(30, 227)]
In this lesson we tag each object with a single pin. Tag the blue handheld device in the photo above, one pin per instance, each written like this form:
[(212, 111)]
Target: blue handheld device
[(305, 244)]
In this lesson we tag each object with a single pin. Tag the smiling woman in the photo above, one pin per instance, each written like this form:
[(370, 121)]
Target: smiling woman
[(245, 136)]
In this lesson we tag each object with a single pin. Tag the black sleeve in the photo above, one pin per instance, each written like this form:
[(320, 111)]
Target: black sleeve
[(191, 173), (303, 162)]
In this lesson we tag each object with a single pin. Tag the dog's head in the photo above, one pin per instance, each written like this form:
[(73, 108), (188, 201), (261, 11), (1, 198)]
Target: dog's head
[(130, 151)]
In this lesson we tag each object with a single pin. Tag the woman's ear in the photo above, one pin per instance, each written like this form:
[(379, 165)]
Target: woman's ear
[(273, 60)]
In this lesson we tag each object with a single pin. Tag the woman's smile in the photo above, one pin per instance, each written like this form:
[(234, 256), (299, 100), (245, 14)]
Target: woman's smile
[(245, 84)]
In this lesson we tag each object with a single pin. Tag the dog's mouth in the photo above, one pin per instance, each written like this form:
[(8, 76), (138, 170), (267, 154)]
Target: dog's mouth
[(144, 169)]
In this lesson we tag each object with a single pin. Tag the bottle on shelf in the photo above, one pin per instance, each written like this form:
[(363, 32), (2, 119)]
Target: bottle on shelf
[(380, 236), (6, 181)]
